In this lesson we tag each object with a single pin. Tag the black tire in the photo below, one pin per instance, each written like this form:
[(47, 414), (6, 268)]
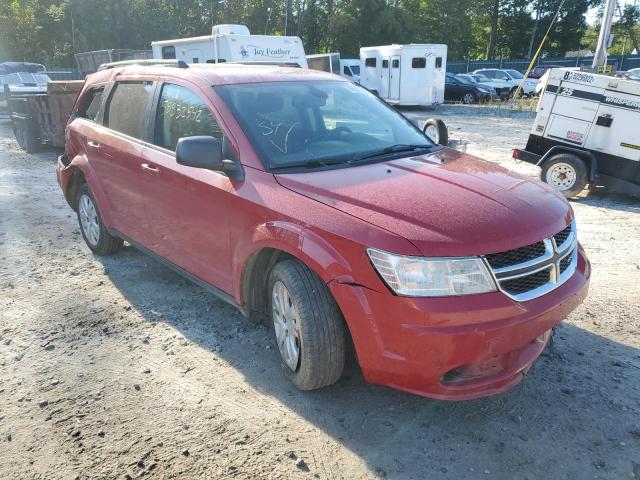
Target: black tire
[(571, 165), (106, 244), (320, 326), (468, 98), (438, 126)]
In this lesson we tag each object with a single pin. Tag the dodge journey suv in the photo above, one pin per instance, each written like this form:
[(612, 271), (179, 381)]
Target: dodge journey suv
[(304, 200)]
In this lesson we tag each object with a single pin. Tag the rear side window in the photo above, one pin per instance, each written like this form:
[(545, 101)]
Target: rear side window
[(385, 63), (419, 62), (128, 106), (438, 62), (370, 62), (181, 113), (169, 53), (91, 104), (489, 73), (395, 63)]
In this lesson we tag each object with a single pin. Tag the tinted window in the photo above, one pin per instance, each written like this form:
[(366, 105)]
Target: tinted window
[(169, 53), (385, 63), (346, 71), (438, 62), (181, 114), (370, 62), (395, 64), (419, 62), (91, 104), (128, 106), (489, 73)]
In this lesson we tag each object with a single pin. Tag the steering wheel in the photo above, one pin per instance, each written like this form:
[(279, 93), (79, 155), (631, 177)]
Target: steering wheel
[(338, 132)]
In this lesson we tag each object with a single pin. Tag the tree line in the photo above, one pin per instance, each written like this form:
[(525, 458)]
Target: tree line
[(51, 31)]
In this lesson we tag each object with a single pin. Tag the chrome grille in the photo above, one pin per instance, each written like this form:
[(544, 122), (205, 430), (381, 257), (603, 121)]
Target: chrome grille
[(528, 272)]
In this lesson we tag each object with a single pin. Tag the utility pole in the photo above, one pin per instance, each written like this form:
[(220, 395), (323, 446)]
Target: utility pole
[(600, 57)]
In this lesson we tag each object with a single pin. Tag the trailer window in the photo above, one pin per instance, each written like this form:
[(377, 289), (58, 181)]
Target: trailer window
[(395, 63), (385, 63), (370, 62), (181, 113), (419, 62), (91, 104), (169, 53), (127, 107), (438, 62)]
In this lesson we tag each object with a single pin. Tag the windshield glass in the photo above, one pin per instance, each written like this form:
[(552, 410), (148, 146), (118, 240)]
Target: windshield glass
[(355, 69), (481, 78), (464, 80), (514, 73), (307, 123), (634, 75)]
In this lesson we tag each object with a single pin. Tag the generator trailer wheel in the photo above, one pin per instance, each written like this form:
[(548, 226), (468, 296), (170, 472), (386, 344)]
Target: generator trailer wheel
[(565, 172)]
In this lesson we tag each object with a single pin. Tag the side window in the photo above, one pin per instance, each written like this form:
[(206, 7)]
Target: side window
[(91, 104), (128, 106), (181, 114), (395, 63), (420, 62), (385, 63), (169, 53), (438, 62), (489, 73), (370, 62), (346, 71), (502, 76)]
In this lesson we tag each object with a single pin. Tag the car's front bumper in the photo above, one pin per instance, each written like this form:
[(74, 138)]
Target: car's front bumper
[(456, 348)]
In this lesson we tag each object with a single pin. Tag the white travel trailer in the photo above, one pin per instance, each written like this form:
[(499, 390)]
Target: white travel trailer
[(405, 74), (232, 43)]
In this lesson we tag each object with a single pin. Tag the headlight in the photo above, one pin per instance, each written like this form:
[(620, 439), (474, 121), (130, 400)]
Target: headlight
[(432, 277)]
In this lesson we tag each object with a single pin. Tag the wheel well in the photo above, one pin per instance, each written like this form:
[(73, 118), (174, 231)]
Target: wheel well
[(75, 182)]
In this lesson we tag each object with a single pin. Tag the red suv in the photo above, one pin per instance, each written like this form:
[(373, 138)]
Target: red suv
[(301, 197)]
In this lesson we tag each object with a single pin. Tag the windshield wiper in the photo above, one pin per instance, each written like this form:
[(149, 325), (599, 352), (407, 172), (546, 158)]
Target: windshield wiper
[(398, 148), (313, 163)]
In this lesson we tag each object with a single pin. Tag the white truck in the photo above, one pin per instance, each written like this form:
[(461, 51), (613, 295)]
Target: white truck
[(586, 132), (411, 75), (332, 63), (232, 43)]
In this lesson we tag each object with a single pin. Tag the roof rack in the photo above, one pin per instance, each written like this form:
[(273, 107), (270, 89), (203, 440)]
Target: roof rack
[(166, 63)]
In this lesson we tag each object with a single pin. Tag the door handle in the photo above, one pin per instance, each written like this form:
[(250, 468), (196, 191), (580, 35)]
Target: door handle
[(149, 168), (93, 144)]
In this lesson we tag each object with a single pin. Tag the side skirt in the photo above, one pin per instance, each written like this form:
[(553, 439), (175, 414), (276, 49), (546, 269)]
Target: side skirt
[(221, 294)]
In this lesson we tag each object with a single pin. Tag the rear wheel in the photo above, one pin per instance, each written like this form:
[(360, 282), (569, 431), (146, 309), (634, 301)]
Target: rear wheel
[(95, 234), (565, 172), (468, 98), (437, 131), (308, 326)]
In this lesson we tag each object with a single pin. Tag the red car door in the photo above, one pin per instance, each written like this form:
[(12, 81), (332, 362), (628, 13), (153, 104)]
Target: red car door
[(188, 208), (114, 151)]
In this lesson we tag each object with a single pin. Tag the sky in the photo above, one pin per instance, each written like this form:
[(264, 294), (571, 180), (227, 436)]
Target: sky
[(592, 15)]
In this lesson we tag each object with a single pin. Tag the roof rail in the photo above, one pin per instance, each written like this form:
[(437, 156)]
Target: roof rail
[(143, 62)]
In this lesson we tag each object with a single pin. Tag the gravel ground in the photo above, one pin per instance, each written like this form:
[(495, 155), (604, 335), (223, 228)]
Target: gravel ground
[(118, 368)]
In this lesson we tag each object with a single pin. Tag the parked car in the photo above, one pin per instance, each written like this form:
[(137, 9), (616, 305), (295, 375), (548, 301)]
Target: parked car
[(499, 88), (460, 89), (302, 198), (630, 75), (537, 72), (510, 78)]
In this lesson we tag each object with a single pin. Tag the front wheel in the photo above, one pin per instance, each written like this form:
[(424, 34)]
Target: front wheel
[(468, 98), (94, 232), (308, 326), (565, 172)]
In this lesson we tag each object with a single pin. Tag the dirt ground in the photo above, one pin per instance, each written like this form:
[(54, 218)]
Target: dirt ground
[(119, 368)]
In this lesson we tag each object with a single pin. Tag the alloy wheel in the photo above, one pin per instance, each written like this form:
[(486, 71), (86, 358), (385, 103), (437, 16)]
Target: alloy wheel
[(89, 220), (285, 322)]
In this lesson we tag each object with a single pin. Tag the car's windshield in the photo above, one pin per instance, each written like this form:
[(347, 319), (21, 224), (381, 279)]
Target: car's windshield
[(634, 75), (466, 78), (481, 78), (355, 69), (317, 123), (514, 73)]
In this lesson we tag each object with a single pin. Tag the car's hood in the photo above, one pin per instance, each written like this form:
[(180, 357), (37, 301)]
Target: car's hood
[(445, 203)]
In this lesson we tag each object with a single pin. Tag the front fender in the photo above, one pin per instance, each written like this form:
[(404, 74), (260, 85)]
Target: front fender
[(300, 242)]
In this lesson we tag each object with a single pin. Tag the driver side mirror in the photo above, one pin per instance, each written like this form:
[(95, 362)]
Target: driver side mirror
[(208, 153)]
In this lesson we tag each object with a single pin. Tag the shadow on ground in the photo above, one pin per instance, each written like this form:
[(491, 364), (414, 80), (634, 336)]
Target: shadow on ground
[(574, 416)]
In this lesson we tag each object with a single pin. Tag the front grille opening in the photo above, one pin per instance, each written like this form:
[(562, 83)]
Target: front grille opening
[(561, 237), (524, 284), (488, 367), (566, 262), (514, 257)]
